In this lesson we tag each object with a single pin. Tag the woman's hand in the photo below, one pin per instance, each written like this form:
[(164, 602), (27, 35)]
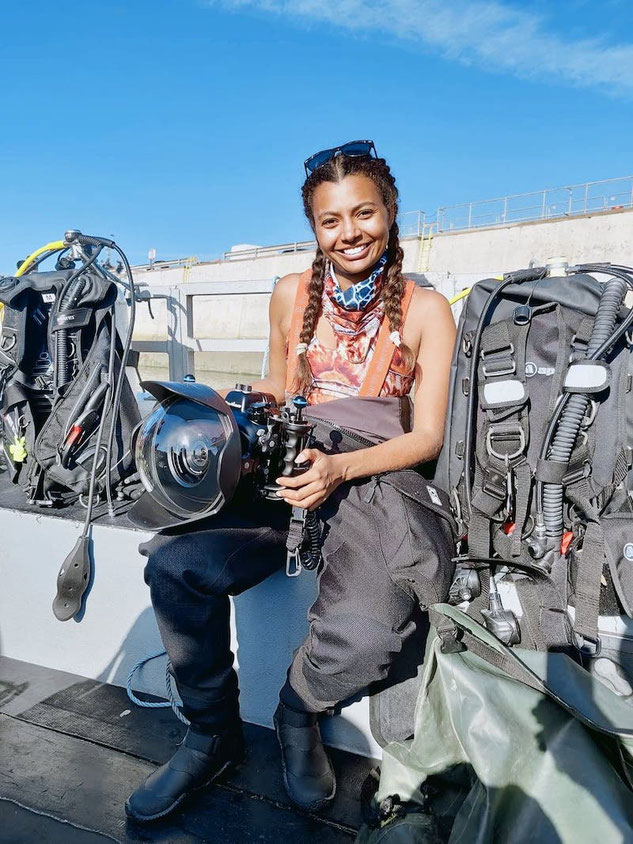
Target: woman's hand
[(310, 489)]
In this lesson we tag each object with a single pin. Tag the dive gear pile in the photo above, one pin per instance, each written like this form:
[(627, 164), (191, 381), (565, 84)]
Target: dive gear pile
[(66, 407), (537, 453), (521, 707)]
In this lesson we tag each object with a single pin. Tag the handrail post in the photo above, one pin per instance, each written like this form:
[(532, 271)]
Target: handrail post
[(181, 356)]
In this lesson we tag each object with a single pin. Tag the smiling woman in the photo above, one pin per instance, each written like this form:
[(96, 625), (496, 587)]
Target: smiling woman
[(350, 328)]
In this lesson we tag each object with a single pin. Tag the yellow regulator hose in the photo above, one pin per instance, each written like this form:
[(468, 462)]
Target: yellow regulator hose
[(54, 246)]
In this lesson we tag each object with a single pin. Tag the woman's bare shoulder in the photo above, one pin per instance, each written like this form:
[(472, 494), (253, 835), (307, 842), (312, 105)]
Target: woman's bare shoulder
[(286, 288), (282, 301), (288, 282), (428, 305)]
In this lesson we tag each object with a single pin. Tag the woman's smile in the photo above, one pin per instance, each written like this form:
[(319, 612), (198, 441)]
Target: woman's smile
[(356, 253)]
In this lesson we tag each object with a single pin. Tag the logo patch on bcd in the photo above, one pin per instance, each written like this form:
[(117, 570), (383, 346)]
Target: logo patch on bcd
[(531, 369), (628, 551)]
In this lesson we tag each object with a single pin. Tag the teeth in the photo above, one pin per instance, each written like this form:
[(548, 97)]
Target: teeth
[(354, 250)]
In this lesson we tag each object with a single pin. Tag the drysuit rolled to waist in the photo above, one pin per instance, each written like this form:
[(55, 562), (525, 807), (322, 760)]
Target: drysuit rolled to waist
[(386, 550)]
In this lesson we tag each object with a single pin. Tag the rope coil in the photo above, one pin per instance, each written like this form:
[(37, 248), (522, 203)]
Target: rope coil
[(159, 704)]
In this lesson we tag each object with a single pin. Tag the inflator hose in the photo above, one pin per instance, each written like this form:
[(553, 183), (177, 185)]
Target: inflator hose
[(568, 427)]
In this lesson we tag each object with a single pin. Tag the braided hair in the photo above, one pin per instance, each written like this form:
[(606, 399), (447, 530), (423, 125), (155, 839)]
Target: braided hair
[(393, 287)]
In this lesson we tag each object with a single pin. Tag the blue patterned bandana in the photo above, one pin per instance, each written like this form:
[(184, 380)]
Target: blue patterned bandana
[(359, 295)]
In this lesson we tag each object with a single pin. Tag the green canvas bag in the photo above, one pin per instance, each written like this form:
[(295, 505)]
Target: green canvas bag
[(535, 734)]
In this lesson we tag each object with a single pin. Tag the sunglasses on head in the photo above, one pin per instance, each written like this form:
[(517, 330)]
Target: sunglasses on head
[(354, 149)]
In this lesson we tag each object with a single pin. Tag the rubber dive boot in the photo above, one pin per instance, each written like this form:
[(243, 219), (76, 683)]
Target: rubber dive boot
[(199, 761), (308, 773)]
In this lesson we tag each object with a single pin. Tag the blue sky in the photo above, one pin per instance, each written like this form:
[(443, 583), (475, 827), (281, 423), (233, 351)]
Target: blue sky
[(183, 124)]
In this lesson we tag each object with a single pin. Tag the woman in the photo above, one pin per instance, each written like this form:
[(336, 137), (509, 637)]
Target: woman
[(330, 328)]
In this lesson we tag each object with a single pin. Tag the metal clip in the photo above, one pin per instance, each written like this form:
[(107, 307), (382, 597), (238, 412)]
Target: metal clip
[(503, 435), (293, 563), (509, 502), (509, 369)]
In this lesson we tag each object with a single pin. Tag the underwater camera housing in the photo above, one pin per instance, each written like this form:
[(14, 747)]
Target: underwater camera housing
[(195, 447)]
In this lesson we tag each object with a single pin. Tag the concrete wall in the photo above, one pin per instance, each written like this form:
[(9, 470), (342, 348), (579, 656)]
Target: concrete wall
[(605, 236), (451, 261)]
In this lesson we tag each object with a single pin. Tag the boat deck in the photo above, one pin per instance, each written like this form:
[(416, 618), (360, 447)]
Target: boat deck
[(72, 749)]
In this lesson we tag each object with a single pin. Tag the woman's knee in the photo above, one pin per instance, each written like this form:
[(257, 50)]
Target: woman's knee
[(351, 649), (179, 560)]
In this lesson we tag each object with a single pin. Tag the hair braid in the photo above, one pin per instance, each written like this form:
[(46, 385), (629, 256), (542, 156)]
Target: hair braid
[(303, 376), (393, 291)]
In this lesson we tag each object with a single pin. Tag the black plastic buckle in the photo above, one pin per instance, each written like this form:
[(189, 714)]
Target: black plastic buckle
[(587, 646), (494, 484), (451, 641), (578, 474)]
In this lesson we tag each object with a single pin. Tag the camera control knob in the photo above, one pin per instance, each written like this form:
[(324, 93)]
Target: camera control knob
[(300, 403)]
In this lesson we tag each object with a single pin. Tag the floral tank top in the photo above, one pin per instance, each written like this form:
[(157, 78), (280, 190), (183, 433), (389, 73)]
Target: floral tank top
[(340, 372)]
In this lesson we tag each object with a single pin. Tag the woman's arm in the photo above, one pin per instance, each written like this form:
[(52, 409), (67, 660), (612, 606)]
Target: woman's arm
[(279, 314), (430, 313)]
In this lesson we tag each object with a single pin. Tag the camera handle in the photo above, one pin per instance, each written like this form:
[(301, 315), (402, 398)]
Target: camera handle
[(296, 432)]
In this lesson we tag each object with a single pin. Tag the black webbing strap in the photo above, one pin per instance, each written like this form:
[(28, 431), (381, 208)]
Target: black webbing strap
[(588, 579), (523, 486), (591, 563), (456, 639), (529, 595), (296, 532), (509, 666), (497, 352), (503, 439)]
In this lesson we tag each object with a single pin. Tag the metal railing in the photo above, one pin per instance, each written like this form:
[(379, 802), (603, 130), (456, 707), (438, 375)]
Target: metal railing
[(181, 344), (263, 251), (548, 204)]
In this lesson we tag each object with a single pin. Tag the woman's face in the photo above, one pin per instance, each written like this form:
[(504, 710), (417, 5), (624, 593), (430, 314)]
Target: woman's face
[(351, 223)]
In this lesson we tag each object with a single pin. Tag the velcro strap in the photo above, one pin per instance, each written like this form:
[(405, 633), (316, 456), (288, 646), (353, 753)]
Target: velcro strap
[(550, 471)]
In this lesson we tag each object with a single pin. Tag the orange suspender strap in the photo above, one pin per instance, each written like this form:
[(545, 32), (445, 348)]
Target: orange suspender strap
[(384, 350), (296, 323)]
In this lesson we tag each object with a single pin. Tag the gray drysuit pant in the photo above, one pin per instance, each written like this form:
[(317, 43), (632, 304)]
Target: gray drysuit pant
[(383, 554)]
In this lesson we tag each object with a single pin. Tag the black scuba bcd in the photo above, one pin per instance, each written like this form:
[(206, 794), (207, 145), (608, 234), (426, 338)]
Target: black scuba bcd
[(60, 354)]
